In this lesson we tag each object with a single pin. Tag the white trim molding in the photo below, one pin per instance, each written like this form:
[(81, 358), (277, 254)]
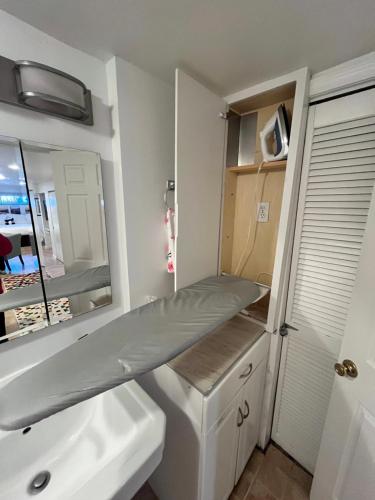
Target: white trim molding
[(350, 75)]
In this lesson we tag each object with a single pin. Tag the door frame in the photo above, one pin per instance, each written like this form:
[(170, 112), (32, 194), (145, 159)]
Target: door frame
[(284, 246)]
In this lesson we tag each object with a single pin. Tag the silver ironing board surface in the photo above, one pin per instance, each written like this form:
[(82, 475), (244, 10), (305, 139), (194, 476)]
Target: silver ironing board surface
[(64, 286), (131, 345)]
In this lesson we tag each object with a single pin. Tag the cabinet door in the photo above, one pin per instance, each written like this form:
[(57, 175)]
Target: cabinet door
[(251, 403), (199, 160), (220, 454)]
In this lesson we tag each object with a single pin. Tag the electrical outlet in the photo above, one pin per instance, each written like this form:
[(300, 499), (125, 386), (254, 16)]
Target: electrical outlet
[(262, 211)]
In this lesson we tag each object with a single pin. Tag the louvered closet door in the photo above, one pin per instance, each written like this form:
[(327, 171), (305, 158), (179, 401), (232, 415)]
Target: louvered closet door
[(336, 188)]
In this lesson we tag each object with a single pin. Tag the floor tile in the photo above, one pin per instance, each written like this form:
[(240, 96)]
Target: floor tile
[(259, 491), (269, 476), (248, 476), (276, 477), (301, 477), (255, 462), (294, 491), (241, 488), (274, 471)]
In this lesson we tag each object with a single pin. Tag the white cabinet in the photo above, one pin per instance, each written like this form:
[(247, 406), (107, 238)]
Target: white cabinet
[(231, 441), (221, 445), (209, 436), (250, 413), (199, 153), (216, 207), (217, 228)]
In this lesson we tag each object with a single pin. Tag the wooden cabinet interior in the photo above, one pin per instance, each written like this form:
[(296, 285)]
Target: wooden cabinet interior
[(248, 247)]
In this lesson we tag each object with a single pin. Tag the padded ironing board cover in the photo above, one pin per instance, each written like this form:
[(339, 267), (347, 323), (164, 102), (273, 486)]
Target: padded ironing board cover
[(131, 345), (63, 286)]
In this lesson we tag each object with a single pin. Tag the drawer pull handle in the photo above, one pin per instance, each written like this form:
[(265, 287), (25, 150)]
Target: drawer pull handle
[(248, 371), (240, 414), (247, 410)]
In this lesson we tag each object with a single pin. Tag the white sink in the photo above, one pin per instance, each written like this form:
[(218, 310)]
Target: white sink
[(100, 449)]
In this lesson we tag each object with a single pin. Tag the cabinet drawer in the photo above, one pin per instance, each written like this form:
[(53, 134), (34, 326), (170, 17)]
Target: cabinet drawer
[(222, 395)]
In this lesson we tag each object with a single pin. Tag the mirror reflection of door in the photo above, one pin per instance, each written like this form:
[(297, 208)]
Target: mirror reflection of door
[(72, 236), (78, 191), (19, 265), (55, 243)]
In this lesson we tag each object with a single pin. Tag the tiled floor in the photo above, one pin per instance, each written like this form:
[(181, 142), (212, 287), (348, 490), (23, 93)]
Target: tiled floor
[(269, 476), (272, 476)]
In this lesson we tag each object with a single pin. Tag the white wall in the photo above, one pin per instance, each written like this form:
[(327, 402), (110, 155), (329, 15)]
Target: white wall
[(19, 40), (134, 134), (143, 122)]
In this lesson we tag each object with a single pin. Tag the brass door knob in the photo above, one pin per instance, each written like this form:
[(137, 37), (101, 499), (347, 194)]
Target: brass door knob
[(346, 368)]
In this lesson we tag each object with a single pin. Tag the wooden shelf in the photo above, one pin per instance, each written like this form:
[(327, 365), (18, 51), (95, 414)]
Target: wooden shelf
[(248, 169)]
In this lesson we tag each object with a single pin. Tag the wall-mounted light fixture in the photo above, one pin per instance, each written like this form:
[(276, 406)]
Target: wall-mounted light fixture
[(45, 89)]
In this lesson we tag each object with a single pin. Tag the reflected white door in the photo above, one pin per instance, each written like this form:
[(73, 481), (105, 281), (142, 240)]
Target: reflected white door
[(55, 226), (199, 159), (77, 180), (345, 469), (78, 190)]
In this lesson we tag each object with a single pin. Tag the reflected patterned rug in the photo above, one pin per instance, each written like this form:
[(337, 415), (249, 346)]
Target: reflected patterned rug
[(36, 313)]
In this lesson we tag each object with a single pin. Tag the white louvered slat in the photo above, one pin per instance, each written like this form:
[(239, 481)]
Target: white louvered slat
[(326, 190), (346, 133), (352, 165), (321, 203), (305, 391), (321, 294), (348, 125), (351, 183), (334, 224), (339, 150), (325, 247), (344, 155), (328, 263), (342, 174), (320, 305), (343, 141), (332, 233), (336, 193), (329, 267), (328, 270), (331, 242), (345, 217)]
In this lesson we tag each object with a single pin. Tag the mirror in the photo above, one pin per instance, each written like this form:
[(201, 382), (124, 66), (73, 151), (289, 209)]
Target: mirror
[(64, 214), (19, 264)]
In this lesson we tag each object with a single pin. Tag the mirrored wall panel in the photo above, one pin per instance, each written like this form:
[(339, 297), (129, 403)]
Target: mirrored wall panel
[(19, 264), (63, 244)]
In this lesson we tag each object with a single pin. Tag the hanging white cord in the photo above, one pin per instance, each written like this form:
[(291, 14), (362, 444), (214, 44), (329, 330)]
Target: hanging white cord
[(239, 269)]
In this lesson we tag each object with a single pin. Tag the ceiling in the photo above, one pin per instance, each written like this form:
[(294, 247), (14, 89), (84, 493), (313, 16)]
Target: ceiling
[(12, 179), (229, 44), (37, 162)]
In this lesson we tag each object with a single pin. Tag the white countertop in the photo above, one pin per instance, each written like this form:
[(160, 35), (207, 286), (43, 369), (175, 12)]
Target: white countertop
[(207, 362)]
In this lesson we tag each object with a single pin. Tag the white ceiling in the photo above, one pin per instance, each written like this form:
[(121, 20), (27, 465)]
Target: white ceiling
[(229, 44), (10, 178)]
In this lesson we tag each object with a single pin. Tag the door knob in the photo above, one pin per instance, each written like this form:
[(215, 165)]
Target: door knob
[(347, 367)]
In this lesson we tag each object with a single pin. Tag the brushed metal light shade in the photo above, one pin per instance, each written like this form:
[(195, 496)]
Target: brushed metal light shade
[(50, 90)]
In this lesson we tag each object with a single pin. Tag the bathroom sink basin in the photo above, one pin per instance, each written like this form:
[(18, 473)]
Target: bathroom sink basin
[(104, 448)]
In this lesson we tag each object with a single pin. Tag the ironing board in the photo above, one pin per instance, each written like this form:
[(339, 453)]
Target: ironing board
[(55, 288), (125, 348)]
